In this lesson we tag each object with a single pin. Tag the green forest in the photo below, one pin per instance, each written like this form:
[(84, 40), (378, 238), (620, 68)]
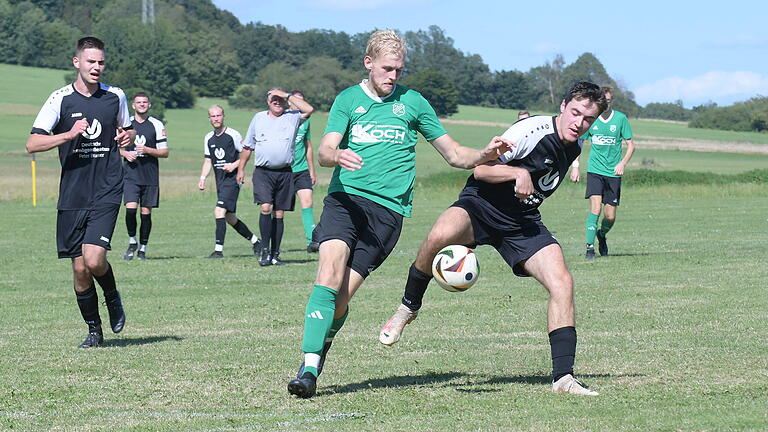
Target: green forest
[(194, 49)]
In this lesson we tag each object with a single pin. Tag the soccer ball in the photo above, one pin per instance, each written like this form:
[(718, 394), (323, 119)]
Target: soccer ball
[(455, 268)]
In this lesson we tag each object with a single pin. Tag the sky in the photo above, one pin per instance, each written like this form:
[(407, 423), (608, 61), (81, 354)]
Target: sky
[(663, 51)]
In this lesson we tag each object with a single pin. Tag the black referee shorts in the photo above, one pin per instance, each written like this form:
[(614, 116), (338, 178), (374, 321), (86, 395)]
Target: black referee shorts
[(273, 186)]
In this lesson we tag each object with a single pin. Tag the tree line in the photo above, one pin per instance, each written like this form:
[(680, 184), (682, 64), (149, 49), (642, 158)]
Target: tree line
[(195, 49)]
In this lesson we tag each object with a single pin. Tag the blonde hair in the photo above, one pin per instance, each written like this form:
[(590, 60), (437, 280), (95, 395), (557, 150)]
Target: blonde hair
[(383, 42)]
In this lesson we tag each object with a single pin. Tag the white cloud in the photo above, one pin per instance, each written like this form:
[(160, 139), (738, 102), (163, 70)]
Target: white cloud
[(718, 86)]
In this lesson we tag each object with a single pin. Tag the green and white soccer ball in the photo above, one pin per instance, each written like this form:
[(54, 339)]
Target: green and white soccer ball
[(455, 268)]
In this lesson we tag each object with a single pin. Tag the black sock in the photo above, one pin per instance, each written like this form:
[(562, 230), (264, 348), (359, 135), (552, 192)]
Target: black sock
[(562, 342), (146, 228), (130, 221), (243, 230), (107, 283), (221, 230), (415, 287), (265, 229), (278, 226), (88, 302)]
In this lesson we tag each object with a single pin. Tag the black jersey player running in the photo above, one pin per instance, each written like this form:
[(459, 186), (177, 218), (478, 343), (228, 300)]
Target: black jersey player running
[(87, 121), (221, 149), (142, 179), (499, 207)]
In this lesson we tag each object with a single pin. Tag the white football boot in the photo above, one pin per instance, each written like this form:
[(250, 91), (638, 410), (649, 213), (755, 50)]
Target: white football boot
[(569, 384), (393, 329)]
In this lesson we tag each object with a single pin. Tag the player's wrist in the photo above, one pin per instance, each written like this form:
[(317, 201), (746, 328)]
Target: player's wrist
[(202, 177)]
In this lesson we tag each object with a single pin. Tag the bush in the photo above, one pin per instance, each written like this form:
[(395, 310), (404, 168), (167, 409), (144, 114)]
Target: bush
[(751, 115)]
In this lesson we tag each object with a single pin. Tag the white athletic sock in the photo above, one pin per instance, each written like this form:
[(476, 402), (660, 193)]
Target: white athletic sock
[(254, 239), (311, 360), (219, 248), (142, 248), (132, 240)]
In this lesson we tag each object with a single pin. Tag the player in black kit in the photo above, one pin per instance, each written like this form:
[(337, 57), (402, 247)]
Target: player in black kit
[(222, 148), (142, 179), (87, 121), (499, 207)]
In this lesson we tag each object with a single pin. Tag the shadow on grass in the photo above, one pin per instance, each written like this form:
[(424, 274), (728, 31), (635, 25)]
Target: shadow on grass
[(394, 382), (540, 379), (122, 342), (470, 384)]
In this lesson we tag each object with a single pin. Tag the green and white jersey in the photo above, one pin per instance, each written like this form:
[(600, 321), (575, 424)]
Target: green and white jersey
[(606, 137), (300, 148), (382, 130)]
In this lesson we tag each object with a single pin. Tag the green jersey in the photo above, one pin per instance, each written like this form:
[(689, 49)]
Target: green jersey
[(300, 148), (606, 137), (383, 132)]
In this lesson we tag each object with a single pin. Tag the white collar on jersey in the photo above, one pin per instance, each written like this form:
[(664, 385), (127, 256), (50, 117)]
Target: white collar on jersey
[(364, 85), (609, 117)]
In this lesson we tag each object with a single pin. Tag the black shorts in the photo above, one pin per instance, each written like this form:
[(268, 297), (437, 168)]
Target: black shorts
[(608, 187), (145, 195), (369, 229), (74, 228), (514, 245), (226, 196), (273, 186), (302, 180)]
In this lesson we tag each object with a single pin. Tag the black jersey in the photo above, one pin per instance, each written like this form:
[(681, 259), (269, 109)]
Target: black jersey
[(223, 149), (91, 170), (539, 151), (144, 169)]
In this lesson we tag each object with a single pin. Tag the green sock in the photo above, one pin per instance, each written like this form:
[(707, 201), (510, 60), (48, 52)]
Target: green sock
[(591, 227), (336, 325), (308, 220), (318, 320), (605, 226)]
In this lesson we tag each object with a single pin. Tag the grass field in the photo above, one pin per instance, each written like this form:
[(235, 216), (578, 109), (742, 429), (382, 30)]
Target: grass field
[(671, 326)]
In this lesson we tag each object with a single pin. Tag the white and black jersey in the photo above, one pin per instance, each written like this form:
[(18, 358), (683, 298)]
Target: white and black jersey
[(538, 150), (223, 149), (91, 170), (144, 169)]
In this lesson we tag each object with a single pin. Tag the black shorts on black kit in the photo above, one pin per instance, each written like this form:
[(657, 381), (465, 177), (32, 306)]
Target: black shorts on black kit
[(226, 196), (515, 245), (302, 180), (74, 228), (273, 186), (369, 229), (608, 187), (145, 195)]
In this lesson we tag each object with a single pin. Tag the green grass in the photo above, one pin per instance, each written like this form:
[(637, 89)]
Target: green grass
[(671, 326), (669, 329)]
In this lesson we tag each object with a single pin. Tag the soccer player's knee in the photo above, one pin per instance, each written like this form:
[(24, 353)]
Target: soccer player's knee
[(560, 286)]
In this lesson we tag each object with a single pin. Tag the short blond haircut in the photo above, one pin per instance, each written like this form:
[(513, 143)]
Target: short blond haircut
[(383, 42)]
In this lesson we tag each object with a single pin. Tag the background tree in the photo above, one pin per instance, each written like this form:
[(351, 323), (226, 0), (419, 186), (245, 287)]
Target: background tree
[(436, 88), (512, 89), (667, 111)]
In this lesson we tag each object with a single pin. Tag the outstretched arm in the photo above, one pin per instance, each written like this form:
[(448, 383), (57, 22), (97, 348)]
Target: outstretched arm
[(464, 157)]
